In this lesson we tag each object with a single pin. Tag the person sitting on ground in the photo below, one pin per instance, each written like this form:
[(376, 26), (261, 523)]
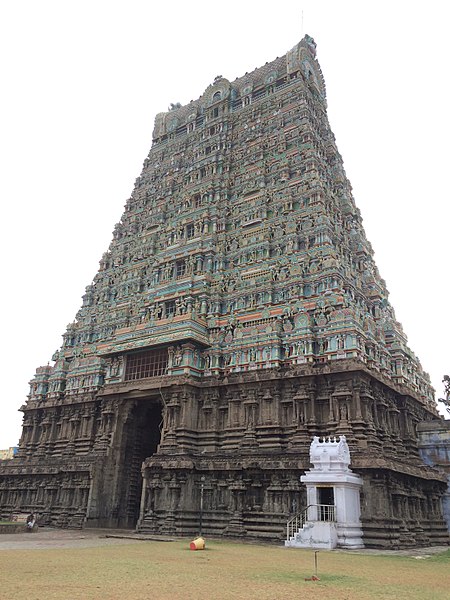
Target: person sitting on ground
[(31, 520)]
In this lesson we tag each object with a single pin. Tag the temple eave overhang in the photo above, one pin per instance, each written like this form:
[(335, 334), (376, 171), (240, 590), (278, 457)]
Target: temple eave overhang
[(386, 464), (169, 333), (143, 387)]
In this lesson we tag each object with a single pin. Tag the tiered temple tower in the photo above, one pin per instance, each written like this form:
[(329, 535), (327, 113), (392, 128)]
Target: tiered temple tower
[(237, 313)]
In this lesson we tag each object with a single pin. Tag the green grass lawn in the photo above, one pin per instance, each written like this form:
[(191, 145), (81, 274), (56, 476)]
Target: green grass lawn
[(225, 570)]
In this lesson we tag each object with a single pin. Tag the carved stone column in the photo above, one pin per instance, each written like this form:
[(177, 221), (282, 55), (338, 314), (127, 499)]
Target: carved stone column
[(300, 416), (235, 526)]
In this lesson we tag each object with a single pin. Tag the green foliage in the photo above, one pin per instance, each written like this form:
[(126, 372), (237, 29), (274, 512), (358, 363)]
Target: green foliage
[(446, 400)]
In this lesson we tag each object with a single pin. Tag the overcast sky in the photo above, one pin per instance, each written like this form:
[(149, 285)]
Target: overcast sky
[(83, 80)]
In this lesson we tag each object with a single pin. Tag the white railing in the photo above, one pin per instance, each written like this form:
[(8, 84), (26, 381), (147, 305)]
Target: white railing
[(313, 512), (296, 523), (326, 512)]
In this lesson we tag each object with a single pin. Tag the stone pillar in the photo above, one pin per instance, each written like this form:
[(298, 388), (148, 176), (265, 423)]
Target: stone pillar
[(143, 498)]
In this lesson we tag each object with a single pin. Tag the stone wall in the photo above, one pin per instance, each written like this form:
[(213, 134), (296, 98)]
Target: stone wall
[(434, 448)]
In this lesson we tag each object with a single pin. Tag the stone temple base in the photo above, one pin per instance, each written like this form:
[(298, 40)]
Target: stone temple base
[(350, 536)]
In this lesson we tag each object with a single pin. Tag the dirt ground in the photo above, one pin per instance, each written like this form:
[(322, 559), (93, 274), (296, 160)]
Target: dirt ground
[(90, 538), (111, 565), (62, 538)]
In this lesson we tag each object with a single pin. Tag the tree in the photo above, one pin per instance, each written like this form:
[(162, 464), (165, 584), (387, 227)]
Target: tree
[(446, 400)]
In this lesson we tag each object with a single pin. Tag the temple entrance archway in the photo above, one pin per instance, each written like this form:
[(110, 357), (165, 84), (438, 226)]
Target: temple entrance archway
[(141, 437)]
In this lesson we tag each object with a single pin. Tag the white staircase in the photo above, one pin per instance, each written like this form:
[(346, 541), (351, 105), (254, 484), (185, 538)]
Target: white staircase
[(314, 527)]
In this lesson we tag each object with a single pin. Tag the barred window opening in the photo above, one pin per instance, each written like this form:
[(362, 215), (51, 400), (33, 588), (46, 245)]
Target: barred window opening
[(150, 363)]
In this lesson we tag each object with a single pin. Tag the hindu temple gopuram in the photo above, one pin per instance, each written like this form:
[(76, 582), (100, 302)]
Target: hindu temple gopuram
[(237, 313)]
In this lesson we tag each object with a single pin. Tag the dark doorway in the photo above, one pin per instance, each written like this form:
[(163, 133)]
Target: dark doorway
[(142, 435), (326, 503)]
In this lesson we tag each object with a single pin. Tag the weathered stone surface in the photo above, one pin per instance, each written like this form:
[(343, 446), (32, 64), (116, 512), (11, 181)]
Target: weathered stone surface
[(237, 313), (434, 448), (6, 528)]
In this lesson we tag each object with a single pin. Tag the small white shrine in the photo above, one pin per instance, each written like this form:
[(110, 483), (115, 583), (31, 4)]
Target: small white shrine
[(332, 517)]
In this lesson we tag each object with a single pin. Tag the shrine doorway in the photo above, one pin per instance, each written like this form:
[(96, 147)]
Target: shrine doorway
[(325, 499)]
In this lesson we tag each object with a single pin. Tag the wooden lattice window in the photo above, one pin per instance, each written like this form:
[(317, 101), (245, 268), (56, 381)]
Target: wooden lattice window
[(150, 363)]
